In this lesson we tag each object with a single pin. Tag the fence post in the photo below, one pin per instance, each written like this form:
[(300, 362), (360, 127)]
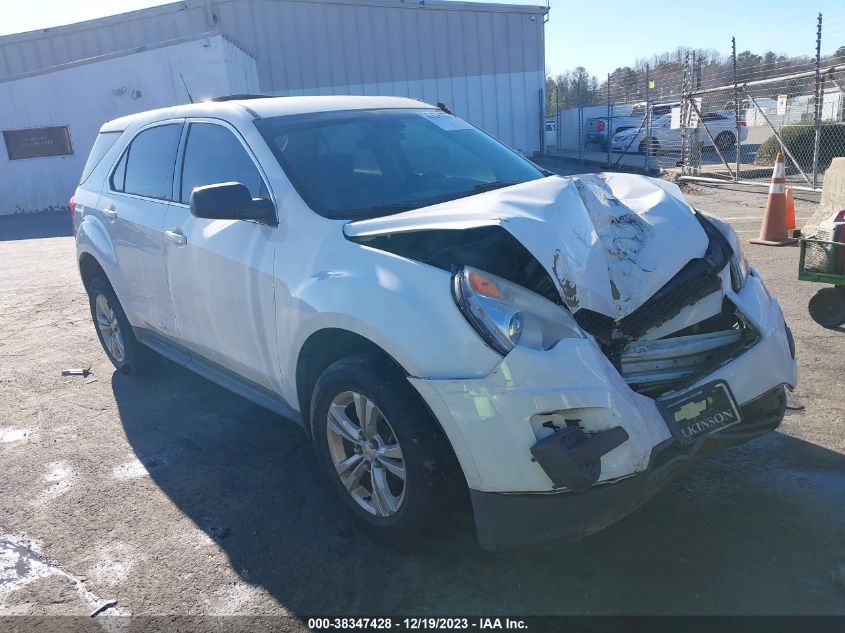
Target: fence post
[(685, 94), (557, 119), (542, 96), (580, 124), (647, 115), (738, 148), (817, 114), (609, 119)]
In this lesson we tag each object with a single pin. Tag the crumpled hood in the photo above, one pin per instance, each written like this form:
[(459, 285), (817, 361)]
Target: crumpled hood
[(608, 241)]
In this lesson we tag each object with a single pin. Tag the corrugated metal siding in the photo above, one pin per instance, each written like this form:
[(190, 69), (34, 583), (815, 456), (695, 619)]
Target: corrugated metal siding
[(484, 60), (241, 68), (105, 88), (296, 41)]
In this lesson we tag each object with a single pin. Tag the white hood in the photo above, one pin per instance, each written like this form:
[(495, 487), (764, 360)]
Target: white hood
[(609, 241)]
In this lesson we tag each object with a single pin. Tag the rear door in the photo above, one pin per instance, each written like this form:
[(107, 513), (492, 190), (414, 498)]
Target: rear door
[(133, 207), (220, 272)]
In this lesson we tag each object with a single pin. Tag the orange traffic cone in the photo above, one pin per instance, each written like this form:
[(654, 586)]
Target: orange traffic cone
[(790, 210), (774, 231), (791, 229)]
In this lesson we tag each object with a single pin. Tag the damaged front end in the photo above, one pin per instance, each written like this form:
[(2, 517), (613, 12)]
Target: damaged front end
[(658, 343), (608, 298)]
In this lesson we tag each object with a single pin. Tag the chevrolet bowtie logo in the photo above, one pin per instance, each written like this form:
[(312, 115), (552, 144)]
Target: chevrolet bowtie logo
[(690, 410)]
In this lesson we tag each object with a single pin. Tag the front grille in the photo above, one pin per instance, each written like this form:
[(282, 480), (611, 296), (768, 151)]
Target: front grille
[(696, 280), (657, 366)]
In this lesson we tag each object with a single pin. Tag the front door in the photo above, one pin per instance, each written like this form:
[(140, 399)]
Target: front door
[(221, 271)]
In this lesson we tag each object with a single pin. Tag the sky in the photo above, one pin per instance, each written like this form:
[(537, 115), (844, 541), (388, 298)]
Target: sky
[(600, 36)]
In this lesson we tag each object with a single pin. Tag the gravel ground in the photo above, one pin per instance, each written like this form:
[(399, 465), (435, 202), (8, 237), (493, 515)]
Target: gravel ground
[(168, 495)]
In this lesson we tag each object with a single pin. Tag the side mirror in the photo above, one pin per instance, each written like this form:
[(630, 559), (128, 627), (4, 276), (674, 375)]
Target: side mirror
[(230, 201)]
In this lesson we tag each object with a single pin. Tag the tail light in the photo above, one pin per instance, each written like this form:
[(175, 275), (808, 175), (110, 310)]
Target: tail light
[(71, 206), (601, 126), (742, 124)]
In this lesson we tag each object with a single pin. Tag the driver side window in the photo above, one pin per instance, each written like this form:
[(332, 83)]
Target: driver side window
[(213, 155)]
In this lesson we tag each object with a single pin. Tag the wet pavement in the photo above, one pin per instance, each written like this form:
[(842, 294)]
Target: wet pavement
[(168, 495)]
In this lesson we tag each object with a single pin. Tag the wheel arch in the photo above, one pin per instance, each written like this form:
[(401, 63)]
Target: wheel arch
[(89, 268), (324, 347), (328, 345)]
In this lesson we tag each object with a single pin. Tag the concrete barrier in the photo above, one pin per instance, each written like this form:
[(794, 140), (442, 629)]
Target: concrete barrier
[(833, 196)]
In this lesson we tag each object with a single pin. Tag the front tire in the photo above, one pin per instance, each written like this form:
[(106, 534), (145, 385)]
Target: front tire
[(381, 449), (114, 331)]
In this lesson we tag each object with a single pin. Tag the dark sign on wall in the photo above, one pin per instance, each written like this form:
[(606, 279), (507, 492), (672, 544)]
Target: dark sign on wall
[(37, 142)]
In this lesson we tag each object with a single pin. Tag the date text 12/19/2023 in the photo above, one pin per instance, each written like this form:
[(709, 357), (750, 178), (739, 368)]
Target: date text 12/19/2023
[(416, 624)]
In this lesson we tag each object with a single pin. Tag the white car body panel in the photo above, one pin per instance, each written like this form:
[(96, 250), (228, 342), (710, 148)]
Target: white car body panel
[(225, 269), (139, 253)]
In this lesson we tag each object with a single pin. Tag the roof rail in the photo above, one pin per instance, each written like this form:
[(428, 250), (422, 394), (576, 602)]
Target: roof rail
[(237, 97)]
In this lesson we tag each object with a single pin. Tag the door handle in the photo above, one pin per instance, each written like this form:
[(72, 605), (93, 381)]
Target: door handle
[(110, 212), (177, 237)]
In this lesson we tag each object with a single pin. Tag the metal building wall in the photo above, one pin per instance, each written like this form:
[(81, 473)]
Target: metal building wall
[(486, 61), (101, 89)]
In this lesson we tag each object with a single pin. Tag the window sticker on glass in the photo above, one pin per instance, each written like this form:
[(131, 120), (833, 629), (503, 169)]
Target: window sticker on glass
[(446, 121)]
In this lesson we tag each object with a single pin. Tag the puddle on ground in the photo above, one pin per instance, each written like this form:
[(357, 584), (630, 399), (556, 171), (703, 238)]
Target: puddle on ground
[(21, 564)]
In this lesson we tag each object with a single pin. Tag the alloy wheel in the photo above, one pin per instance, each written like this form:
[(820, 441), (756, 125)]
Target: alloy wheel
[(366, 453), (109, 328)]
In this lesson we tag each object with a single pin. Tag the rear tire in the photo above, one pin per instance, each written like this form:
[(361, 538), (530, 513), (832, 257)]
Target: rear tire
[(827, 307), (394, 469), (114, 331)]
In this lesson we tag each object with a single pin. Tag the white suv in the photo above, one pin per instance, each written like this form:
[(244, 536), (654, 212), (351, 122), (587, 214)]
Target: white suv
[(438, 313)]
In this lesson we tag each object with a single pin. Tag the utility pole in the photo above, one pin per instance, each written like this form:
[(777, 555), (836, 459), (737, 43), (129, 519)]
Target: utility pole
[(738, 148), (817, 115)]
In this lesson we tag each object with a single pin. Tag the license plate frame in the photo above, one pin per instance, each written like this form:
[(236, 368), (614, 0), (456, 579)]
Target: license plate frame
[(701, 411)]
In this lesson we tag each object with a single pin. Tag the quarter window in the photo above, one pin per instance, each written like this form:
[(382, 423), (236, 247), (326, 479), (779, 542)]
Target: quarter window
[(213, 155), (102, 144), (118, 178), (146, 168)]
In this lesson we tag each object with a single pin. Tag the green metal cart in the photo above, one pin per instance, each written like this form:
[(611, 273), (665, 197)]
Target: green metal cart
[(824, 261)]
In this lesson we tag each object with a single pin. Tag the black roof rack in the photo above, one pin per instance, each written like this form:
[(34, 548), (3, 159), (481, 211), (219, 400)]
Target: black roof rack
[(237, 97)]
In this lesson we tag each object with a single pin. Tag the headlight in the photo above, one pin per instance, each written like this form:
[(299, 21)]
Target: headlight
[(506, 314), (739, 264)]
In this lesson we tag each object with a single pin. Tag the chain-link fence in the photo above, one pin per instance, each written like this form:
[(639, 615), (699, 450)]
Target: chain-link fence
[(616, 123), (711, 119), (800, 112)]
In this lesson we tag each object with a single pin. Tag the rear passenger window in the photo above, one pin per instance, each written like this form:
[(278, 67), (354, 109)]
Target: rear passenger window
[(146, 168), (213, 155)]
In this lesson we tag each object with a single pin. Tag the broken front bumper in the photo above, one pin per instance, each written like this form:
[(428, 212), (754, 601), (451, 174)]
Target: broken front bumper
[(533, 520), (493, 423)]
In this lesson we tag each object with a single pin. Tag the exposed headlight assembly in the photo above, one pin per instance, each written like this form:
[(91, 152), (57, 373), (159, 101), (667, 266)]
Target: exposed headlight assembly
[(505, 314), (740, 267)]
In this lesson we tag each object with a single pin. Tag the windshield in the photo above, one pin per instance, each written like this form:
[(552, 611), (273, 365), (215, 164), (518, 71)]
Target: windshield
[(369, 163)]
